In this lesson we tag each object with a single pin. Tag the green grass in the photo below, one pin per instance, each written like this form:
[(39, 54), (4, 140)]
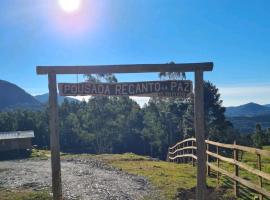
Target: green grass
[(6, 194), (168, 178), (40, 154)]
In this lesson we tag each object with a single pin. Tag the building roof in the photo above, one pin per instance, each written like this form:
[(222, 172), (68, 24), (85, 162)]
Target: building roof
[(16, 135)]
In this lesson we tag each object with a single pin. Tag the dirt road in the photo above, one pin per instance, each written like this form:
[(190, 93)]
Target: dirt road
[(82, 179)]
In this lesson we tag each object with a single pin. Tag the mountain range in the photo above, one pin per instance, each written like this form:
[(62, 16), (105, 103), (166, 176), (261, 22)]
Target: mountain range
[(13, 97), (248, 110)]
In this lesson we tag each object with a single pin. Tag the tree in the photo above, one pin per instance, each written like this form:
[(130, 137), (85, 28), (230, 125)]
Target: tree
[(98, 78), (153, 133), (268, 136), (218, 128), (257, 137), (172, 75)]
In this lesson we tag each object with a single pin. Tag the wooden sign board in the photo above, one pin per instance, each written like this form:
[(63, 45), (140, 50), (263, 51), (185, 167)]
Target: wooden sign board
[(170, 88)]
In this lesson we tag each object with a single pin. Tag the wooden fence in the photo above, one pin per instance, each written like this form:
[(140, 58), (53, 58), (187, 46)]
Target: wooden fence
[(185, 151)]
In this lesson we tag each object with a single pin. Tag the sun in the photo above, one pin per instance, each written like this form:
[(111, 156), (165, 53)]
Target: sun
[(69, 5)]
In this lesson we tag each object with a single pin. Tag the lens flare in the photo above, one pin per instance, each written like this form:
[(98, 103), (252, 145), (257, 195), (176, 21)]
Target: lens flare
[(69, 5)]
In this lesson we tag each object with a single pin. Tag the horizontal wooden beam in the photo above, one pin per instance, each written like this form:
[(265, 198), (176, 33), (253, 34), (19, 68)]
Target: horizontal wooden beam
[(241, 148), (241, 165), (137, 68), (244, 182), (182, 149), (183, 156), (181, 142)]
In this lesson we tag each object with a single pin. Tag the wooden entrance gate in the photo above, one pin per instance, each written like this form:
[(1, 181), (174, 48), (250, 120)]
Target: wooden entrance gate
[(197, 68)]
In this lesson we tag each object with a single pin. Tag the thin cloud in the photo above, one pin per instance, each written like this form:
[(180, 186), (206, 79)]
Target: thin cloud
[(238, 95)]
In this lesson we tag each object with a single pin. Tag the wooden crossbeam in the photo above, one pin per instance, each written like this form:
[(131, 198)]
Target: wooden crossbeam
[(137, 68)]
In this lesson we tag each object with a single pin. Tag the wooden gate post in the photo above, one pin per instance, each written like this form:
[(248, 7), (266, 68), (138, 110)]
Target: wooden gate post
[(54, 138), (200, 135)]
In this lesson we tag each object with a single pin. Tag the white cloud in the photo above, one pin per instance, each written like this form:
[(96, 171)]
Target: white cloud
[(86, 98), (140, 100)]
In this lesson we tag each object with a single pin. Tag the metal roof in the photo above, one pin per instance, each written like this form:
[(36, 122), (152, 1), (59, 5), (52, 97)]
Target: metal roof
[(16, 135)]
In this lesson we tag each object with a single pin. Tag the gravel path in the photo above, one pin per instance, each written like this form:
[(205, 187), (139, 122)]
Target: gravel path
[(82, 179)]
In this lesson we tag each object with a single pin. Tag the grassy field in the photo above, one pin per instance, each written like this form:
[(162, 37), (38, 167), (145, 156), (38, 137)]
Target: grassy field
[(171, 180), (24, 194)]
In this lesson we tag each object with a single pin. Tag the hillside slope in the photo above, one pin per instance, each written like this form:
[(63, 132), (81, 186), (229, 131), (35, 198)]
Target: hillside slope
[(13, 97)]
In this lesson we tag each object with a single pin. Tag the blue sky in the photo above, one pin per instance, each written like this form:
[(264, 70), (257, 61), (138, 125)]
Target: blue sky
[(235, 35)]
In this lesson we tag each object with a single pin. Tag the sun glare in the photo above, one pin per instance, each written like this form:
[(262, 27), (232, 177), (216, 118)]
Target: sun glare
[(70, 5)]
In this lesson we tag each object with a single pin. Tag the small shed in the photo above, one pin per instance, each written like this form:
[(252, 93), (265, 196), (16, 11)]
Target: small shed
[(17, 140)]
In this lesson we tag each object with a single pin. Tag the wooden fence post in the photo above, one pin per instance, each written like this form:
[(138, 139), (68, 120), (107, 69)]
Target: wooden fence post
[(207, 159), (168, 154), (200, 135), (192, 152), (54, 138), (236, 170), (217, 166), (259, 165)]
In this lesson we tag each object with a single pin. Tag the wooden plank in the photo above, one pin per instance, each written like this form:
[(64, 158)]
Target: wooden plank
[(184, 148), (54, 138), (128, 68), (171, 88), (179, 143), (253, 150), (183, 156), (244, 182), (241, 165), (228, 146), (241, 148), (200, 135)]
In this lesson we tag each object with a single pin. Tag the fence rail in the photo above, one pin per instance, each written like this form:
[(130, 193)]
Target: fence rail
[(185, 151)]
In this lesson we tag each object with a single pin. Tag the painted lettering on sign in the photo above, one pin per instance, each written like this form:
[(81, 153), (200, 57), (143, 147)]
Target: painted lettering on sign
[(171, 88)]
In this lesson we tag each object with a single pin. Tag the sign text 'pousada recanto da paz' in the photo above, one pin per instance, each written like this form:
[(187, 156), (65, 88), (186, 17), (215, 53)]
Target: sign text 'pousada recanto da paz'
[(170, 88)]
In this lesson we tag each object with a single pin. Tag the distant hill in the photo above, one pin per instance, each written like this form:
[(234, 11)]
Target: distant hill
[(43, 98), (14, 97), (248, 110)]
